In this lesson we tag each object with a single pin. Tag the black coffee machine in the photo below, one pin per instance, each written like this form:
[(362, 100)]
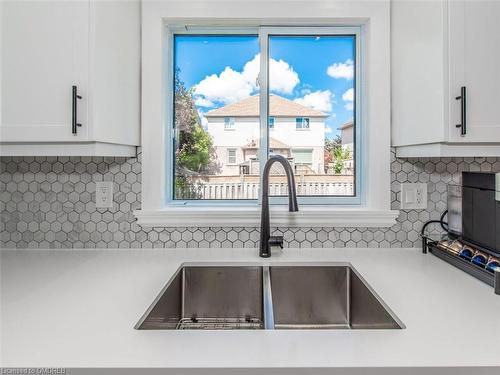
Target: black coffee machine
[(481, 210)]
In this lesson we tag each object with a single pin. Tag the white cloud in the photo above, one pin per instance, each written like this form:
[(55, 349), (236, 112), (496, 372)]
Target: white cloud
[(328, 130), (282, 77), (348, 98), (251, 70), (319, 100), (202, 102), (228, 87), (204, 121), (349, 106), (306, 89), (341, 70), (231, 86)]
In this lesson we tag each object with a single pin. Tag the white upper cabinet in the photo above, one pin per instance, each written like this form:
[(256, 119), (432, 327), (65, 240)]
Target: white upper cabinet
[(440, 50), (45, 52), (50, 46), (474, 42)]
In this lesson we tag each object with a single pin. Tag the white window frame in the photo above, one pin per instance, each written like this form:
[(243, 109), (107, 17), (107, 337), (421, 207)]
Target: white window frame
[(230, 124), (301, 127), (265, 33), (228, 150), (372, 21)]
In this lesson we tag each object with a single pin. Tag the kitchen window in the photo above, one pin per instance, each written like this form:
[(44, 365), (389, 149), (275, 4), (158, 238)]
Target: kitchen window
[(250, 79), (262, 71)]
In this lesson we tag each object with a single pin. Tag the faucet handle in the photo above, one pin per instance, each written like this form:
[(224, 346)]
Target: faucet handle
[(276, 241)]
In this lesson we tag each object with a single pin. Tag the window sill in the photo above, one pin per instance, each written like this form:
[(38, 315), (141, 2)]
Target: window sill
[(250, 217)]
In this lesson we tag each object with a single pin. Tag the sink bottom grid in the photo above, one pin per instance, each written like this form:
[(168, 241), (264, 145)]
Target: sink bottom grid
[(220, 323)]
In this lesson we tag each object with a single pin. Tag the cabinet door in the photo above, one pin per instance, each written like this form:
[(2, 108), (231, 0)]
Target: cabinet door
[(44, 53), (474, 60)]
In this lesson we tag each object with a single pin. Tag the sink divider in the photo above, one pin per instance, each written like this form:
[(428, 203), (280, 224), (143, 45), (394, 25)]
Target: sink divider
[(183, 294), (267, 298)]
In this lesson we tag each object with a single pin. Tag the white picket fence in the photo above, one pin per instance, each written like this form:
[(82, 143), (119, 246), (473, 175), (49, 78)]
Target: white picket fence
[(250, 190)]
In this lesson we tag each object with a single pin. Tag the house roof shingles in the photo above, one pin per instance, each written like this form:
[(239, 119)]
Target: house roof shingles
[(278, 106), (348, 124)]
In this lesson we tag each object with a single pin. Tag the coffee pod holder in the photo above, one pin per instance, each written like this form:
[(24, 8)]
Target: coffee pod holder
[(454, 251)]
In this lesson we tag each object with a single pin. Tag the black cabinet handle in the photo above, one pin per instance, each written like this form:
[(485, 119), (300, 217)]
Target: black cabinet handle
[(74, 119), (463, 111)]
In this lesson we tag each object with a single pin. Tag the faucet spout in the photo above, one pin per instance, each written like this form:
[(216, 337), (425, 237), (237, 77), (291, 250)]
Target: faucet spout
[(265, 228)]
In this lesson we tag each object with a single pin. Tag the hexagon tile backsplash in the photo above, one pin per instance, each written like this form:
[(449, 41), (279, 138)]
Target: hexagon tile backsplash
[(48, 202)]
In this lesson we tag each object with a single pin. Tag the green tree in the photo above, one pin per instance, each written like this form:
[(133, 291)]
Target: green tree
[(339, 156), (330, 145), (194, 153)]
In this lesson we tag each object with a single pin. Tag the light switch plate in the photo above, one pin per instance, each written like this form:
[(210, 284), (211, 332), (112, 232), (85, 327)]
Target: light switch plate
[(413, 196), (104, 194)]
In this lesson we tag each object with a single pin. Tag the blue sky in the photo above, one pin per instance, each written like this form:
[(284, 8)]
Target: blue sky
[(314, 71)]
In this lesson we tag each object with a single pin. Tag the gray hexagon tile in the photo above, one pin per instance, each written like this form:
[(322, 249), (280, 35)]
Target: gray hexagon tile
[(48, 202)]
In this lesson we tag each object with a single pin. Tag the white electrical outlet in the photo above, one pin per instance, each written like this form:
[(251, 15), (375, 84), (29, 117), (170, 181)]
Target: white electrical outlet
[(413, 196), (104, 194)]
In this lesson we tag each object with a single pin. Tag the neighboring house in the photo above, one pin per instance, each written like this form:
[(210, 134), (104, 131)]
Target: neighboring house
[(347, 137), (250, 164), (296, 132)]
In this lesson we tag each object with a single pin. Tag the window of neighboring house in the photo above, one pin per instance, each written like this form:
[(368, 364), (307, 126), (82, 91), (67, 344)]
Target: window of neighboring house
[(302, 123), (229, 123), (231, 156), (304, 72), (302, 156)]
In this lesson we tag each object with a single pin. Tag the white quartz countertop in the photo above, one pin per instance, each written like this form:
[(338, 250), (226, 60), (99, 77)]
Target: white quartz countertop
[(77, 308)]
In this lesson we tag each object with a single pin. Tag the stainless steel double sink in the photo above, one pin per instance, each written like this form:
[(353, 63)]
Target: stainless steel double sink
[(332, 296)]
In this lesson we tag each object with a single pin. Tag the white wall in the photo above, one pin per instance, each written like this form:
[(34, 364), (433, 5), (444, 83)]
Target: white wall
[(347, 136), (285, 131), (246, 129)]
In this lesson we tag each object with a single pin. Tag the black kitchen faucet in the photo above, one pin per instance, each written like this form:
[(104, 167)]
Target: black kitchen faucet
[(266, 240)]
